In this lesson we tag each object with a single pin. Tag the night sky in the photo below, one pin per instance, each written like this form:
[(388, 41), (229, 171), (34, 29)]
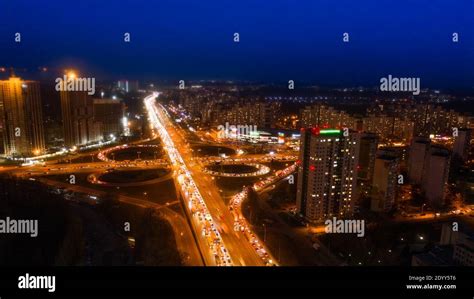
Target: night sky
[(279, 39)]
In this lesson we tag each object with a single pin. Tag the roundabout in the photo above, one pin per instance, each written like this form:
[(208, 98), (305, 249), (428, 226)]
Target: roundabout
[(236, 169), (213, 150), (127, 177), (126, 153)]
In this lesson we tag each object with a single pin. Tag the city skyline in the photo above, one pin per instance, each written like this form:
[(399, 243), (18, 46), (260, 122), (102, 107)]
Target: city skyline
[(311, 140), (236, 175)]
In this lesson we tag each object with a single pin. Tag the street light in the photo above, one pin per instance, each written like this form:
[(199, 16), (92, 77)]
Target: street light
[(71, 75), (264, 233), (422, 206)]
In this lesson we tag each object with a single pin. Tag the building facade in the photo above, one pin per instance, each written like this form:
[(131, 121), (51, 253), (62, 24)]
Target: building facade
[(327, 174), (462, 143), (109, 114), (384, 184), (21, 119), (78, 119), (419, 150), (435, 175)]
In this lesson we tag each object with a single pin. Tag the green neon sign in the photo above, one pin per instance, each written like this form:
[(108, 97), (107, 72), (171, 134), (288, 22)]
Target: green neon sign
[(330, 132)]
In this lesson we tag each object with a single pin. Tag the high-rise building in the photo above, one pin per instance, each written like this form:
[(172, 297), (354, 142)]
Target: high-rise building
[(435, 175), (127, 86), (464, 250), (321, 115), (428, 166), (327, 174), (133, 86), (123, 85), (419, 150), (258, 113), (78, 121), (403, 121), (109, 113), (389, 128), (21, 119), (77, 117), (384, 182), (462, 144), (448, 235), (461, 240), (367, 154)]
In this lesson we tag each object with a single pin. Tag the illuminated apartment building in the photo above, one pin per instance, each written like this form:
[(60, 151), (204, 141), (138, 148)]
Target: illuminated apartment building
[(260, 114), (462, 143), (435, 175), (21, 120), (327, 174), (78, 118), (389, 127), (321, 115), (384, 184), (368, 151), (109, 114), (419, 150)]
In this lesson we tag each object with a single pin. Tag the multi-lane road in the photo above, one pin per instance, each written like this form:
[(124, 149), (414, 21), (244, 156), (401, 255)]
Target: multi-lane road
[(210, 203)]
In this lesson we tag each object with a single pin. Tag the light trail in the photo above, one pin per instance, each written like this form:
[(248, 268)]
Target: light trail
[(195, 202), (241, 224)]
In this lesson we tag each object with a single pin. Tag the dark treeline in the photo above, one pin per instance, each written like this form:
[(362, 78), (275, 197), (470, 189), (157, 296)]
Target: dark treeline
[(59, 239), (155, 243), (75, 233)]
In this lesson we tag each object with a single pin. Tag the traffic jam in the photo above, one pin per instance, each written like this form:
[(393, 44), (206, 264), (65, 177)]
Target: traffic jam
[(196, 204), (241, 224)]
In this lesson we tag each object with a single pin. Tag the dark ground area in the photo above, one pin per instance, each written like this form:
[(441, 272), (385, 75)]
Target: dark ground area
[(75, 233), (132, 153), (160, 193), (238, 168), (212, 150), (130, 176), (386, 242)]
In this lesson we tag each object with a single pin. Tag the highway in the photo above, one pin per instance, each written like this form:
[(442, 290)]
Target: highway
[(39, 170), (207, 205), (208, 236)]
